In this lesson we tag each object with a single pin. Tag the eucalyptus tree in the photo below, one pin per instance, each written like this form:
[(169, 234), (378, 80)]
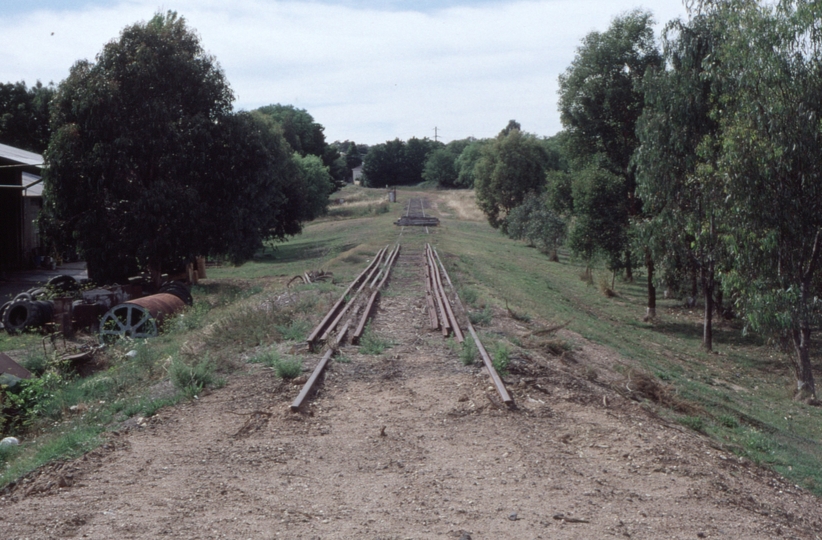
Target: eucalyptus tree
[(771, 164), (466, 162), (678, 131), (600, 101), (511, 168)]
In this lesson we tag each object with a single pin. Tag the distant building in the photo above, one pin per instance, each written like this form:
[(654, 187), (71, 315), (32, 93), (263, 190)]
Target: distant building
[(21, 198), (356, 174)]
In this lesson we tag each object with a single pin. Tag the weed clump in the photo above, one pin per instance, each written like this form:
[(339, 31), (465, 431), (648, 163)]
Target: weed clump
[(469, 352), (288, 368), (481, 318), (501, 358), (192, 379), (371, 343), (285, 368), (468, 295), (695, 423), (297, 330)]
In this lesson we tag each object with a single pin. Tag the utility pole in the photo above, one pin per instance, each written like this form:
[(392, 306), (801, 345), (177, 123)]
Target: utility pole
[(435, 133)]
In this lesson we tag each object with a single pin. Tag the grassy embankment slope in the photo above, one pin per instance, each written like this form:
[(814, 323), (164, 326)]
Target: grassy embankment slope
[(740, 396)]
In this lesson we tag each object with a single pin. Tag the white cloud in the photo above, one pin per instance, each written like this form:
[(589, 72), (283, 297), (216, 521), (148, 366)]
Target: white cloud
[(365, 74)]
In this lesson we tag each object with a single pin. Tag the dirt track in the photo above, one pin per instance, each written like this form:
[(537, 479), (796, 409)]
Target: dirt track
[(575, 460)]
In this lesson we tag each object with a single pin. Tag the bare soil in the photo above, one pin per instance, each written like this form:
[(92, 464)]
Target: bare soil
[(412, 444)]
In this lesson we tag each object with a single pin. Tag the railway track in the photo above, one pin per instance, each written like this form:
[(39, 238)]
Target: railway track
[(415, 215), (351, 312)]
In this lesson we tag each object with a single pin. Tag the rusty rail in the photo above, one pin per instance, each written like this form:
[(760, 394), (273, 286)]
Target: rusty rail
[(489, 365), (433, 319), (312, 338), (315, 375), (361, 326), (442, 318), (375, 271), (439, 291)]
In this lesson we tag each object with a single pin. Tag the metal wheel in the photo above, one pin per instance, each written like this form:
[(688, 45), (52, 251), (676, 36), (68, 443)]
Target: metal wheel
[(127, 320)]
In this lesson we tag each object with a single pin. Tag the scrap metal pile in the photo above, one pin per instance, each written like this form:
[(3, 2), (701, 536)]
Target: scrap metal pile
[(114, 311)]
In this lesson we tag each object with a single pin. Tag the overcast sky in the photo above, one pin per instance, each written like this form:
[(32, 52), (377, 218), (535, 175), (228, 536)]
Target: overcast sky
[(368, 71)]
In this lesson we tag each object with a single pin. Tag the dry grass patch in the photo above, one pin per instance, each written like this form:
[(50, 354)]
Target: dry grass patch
[(463, 203)]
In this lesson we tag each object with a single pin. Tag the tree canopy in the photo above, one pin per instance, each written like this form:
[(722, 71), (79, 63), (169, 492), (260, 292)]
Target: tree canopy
[(149, 167), (24, 115), (305, 136), (511, 168), (397, 163)]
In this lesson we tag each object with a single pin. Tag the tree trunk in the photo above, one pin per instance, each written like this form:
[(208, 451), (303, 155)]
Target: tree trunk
[(720, 310), (805, 386), (650, 313), (554, 256), (629, 272), (694, 284), (708, 291)]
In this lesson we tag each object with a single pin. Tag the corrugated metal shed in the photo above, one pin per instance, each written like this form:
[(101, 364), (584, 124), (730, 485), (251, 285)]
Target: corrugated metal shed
[(32, 184), (19, 205), (19, 155)]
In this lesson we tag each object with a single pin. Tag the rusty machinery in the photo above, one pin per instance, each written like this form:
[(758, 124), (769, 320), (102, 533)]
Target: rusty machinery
[(118, 311)]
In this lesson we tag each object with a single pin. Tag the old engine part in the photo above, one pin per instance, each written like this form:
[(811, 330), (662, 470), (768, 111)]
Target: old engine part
[(140, 318)]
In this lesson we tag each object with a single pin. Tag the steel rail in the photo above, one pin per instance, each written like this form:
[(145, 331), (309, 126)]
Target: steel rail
[(361, 326), (309, 385), (352, 301), (320, 327), (433, 320), (489, 365), (446, 302), (445, 324)]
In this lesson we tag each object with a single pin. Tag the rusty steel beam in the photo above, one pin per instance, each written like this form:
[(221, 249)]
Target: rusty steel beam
[(309, 385), (352, 302), (489, 365), (320, 327), (441, 291), (361, 326)]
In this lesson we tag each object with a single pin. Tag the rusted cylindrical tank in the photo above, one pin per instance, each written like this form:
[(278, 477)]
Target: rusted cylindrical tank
[(140, 318)]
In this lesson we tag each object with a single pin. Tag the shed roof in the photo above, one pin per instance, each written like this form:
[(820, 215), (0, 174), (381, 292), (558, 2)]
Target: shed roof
[(18, 155), (36, 186)]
